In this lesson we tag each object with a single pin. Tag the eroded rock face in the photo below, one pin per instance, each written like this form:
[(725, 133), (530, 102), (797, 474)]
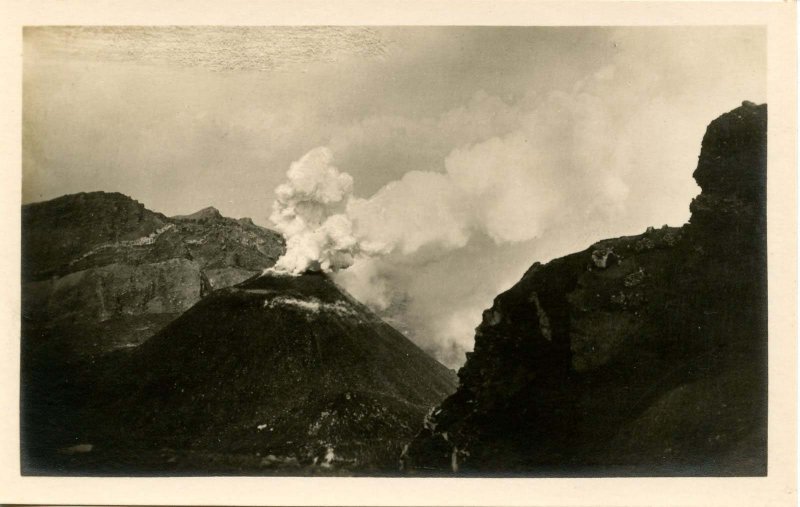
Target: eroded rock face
[(99, 294), (102, 263), (652, 364)]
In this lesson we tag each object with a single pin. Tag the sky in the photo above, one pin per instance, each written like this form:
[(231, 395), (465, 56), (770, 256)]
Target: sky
[(473, 151)]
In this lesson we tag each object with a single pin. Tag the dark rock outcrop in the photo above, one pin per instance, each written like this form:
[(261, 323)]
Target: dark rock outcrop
[(643, 355), (277, 375), (100, 271)]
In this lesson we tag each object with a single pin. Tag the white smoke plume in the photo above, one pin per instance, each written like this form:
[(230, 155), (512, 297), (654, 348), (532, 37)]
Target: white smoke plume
[(507, 188), (309, 211), (487, 188)]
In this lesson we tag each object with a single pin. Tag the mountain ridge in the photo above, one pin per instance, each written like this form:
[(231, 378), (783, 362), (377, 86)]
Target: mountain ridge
[(642, 355), (101, 271)]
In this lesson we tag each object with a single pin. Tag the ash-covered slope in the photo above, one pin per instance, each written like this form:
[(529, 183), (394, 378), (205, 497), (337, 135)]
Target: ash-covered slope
[(279, 374), (101, 271), (642, 355)]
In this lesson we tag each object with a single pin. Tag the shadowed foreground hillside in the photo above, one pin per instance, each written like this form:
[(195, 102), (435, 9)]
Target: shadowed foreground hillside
[(643, 355), (277, 375)]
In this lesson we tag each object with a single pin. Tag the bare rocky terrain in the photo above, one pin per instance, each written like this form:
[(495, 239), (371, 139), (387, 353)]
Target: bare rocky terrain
[(149, 347), (642, 355), (100, 271)]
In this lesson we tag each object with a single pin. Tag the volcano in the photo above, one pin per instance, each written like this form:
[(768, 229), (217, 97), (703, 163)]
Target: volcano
[(279, 374)]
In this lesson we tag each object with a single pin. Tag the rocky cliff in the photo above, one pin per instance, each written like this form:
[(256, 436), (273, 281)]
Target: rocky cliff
[(642, 355), (100, 271)]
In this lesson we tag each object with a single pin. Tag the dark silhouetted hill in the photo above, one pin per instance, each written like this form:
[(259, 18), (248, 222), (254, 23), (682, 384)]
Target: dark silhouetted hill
[(642, 355), (276, 375)]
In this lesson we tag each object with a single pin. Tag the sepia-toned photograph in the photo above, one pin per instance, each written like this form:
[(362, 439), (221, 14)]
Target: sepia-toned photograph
[(394, 251)]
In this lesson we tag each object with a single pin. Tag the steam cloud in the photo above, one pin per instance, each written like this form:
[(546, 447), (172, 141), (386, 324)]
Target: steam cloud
[(309, 211), (505, 145), (509, 189), (497, 183)]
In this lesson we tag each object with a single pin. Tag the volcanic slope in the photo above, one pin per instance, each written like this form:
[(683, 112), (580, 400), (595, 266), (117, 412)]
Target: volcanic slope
[(279, 374), (642, 355)]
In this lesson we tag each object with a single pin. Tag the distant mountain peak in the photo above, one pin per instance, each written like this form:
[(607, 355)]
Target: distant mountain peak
[(101, 256), (85, 201), (206, 213)]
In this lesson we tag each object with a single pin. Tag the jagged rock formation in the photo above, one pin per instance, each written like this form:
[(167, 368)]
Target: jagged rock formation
[(643, 355), (276, 375), (101, 271)]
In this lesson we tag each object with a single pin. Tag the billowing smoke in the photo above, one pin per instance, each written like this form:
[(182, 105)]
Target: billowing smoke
[(309, 211), (487, 188), (429, 250), (508, 189), (474, 151)]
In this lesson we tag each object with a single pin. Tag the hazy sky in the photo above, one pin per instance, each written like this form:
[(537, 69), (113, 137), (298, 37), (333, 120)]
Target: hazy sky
[(510, 144)]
